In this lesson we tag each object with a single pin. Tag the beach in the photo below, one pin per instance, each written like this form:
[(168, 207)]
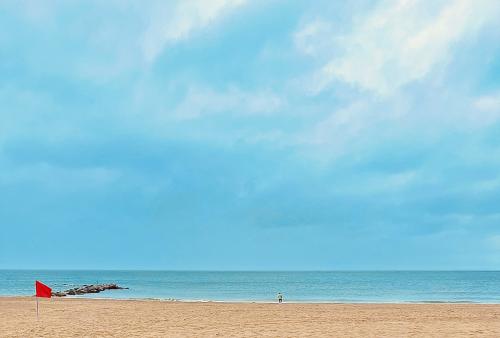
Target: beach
[(71, 317)]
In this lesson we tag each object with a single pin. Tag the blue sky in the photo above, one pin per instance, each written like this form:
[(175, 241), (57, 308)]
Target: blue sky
[(250, 134)]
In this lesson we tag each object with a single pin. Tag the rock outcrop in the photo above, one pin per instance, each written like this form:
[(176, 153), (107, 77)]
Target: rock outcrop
[(93, 288)]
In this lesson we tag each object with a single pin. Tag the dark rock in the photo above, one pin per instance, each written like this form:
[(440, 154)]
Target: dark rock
[(87, 289)]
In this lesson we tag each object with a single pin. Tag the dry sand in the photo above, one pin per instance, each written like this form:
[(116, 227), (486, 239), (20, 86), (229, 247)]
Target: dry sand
[(150, 318)]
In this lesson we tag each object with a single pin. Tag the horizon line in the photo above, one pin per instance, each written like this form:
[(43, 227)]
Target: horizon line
[(252, 270)]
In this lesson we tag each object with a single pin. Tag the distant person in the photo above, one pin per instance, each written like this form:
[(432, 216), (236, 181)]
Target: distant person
[(280, 297)]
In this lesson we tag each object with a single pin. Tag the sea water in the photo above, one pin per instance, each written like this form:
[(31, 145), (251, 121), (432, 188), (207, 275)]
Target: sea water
[(310, 286)]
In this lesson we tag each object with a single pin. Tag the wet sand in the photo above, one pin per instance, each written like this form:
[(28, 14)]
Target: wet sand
[(65, 317)]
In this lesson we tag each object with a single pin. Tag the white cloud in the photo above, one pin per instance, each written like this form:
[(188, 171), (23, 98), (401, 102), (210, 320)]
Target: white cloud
[(493, 242), (339, 132), (203, 101), (312, 39), (57, 177), (340, 127), (171, 24), (489, 103), (486, 111), (402, 41)]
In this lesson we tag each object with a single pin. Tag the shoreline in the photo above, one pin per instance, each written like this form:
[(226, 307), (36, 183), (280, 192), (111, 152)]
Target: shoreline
[(238, 301)]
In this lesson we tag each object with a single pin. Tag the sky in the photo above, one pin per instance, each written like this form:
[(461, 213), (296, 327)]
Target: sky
[(250, 135)]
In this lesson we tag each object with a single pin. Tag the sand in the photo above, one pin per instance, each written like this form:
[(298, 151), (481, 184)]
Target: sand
[(149, 318)]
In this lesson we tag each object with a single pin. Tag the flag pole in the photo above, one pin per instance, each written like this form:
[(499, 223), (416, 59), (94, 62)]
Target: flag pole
[(41, 290)]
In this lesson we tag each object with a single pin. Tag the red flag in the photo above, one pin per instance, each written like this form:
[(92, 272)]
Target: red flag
[(42, 290)]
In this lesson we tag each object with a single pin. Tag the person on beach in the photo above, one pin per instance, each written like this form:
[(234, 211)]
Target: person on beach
[(280, 297)]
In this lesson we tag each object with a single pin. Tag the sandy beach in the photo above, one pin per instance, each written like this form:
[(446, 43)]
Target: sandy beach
[(149, 318)]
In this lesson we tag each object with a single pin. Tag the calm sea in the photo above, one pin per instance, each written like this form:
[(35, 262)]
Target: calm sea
[(383, 286)]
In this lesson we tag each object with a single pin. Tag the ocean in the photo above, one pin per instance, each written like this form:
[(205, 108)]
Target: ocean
[(303, 286)]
